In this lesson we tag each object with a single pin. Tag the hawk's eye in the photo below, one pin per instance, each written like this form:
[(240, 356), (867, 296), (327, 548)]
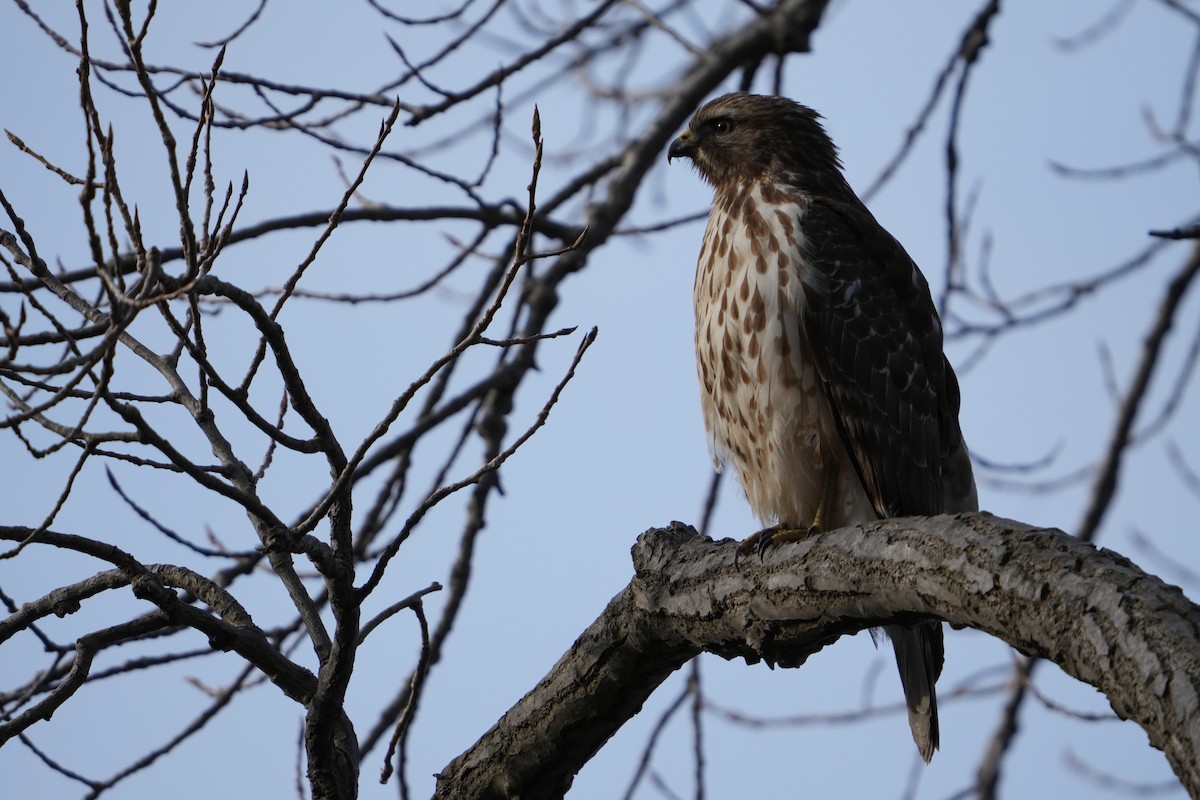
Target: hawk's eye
[(723, 125)]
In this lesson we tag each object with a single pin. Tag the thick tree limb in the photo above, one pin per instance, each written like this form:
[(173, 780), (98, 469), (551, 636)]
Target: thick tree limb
[(1091, 611)]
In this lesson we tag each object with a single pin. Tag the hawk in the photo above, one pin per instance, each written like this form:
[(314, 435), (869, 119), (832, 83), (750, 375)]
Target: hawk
[(819, 351)]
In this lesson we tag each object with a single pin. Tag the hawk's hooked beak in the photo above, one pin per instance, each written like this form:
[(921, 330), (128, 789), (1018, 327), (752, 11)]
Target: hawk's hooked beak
[(683, 147)]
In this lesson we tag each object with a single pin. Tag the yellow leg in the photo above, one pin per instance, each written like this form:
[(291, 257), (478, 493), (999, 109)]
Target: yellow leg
[(784, 533), (828, 499)]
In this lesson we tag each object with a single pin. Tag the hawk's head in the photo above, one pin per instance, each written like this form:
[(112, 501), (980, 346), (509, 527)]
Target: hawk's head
[(741, 137)]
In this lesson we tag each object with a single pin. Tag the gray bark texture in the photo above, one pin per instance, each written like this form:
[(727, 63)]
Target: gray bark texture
[(1089, 610)]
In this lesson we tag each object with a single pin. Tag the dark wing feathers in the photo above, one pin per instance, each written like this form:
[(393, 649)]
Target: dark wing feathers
[(874, 335)]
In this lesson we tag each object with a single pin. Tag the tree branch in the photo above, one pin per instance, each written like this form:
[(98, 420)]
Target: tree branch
[(1092, 612)]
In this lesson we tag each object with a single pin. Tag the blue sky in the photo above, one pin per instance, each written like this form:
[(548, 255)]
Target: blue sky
[(624, 449)]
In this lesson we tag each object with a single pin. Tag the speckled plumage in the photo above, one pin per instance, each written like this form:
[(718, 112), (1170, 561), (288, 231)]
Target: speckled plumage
[(819, 350)]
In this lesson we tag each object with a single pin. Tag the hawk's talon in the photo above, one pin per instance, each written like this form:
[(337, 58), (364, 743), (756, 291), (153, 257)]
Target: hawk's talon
[(764, 540), (745, 547), (752, 543)]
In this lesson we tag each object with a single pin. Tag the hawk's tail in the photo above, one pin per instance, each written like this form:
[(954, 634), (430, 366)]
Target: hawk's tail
[(919, 656)]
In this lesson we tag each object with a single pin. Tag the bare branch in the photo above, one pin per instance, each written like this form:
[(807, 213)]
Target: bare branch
[(979, 571)]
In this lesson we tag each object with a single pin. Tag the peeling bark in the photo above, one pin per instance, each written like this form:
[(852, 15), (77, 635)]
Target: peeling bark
[(1089, 610)]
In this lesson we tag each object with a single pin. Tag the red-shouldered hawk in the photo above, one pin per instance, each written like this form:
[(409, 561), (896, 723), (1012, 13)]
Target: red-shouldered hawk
[(819, 351)]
